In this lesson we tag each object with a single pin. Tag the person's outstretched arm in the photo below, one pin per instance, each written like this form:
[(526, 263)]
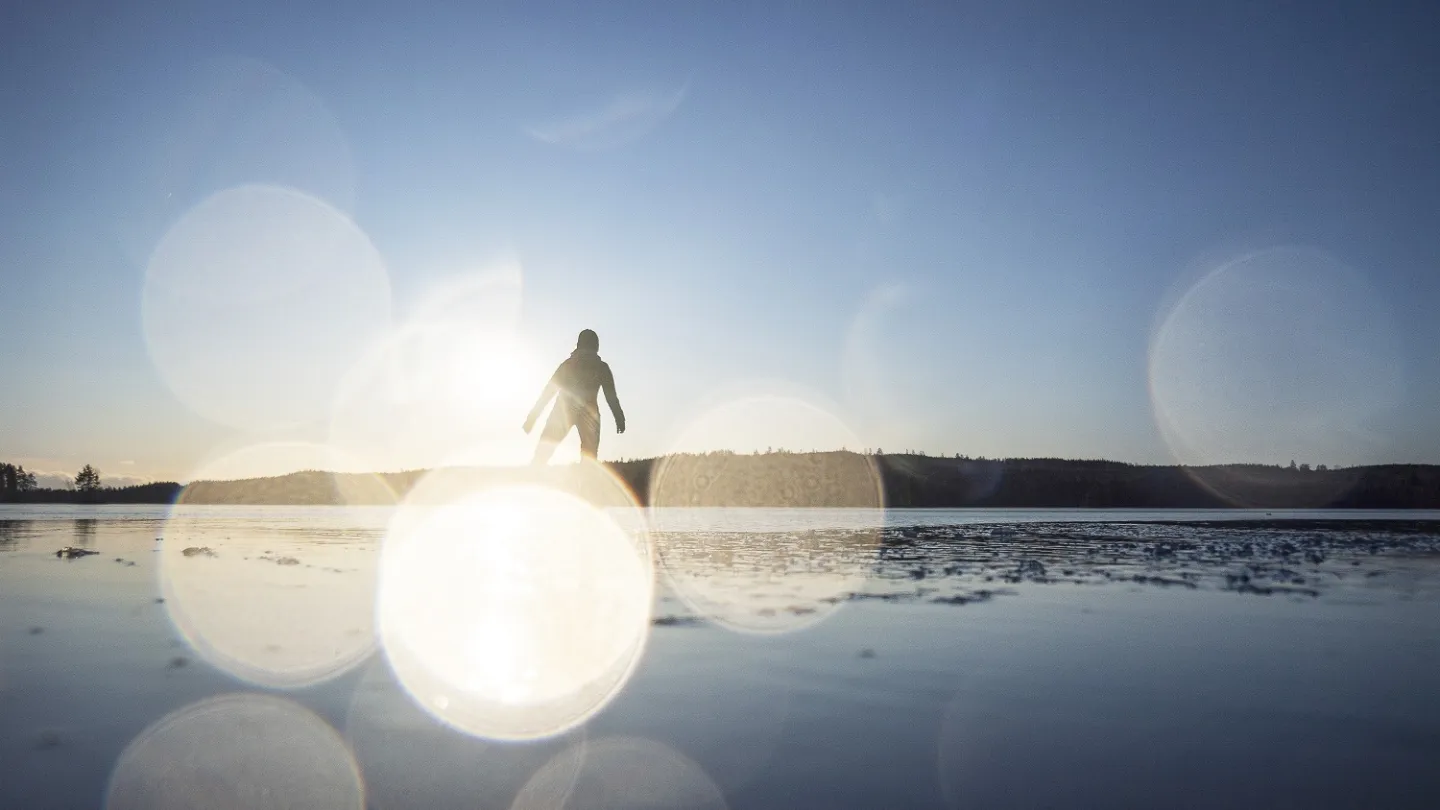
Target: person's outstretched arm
[(608, 384), (545, 396)]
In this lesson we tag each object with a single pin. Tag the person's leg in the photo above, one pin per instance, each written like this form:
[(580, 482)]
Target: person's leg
[(555, 429), (588, 423)]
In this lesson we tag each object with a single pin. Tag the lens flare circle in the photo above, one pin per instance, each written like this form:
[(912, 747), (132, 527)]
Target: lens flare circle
[(511, 611), (736, 566), (240, 120), (411, 759), (270, 599), (257, 301), (620, 773), (236, 751), (1278, 354)]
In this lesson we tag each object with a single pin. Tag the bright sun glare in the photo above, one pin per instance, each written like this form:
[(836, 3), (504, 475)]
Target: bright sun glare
[(449, 386)]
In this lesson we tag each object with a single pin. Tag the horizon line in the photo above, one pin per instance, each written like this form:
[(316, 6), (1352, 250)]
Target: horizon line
[(1298, 467)]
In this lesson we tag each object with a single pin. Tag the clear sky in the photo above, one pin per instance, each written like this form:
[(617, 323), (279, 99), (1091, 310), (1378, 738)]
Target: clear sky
[(1141, 231)]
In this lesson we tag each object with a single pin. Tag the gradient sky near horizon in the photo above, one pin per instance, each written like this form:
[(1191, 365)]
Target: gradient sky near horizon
[(1148, 232)]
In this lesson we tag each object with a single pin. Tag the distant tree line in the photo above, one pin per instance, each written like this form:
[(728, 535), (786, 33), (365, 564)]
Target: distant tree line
[(18, 485), (14, 481), (813, 479), (837, 479), (914, 480), (1041, 483)]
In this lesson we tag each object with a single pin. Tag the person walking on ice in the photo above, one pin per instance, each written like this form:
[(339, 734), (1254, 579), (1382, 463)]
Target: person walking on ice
[(577, 381)]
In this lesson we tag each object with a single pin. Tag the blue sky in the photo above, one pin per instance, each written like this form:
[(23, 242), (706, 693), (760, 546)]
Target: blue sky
[(1135, 231)]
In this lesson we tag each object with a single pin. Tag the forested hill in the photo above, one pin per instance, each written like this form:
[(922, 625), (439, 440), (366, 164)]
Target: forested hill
[(917, 481), (920, 481), (850, 479)]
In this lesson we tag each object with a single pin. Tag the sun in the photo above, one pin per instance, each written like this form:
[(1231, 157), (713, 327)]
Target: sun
[(440, 394)]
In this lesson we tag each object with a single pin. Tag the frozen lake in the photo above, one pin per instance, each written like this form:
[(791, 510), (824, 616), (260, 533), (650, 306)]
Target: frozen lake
[(323, 656)]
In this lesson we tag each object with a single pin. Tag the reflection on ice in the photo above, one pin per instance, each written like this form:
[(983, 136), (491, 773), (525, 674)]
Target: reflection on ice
[(767, 583), (785, 582), (776, 576), (1090, 645), (276, 605)]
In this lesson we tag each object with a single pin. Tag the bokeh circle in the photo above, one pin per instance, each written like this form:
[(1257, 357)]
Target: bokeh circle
[(620, 773), (1277, 355), (236, 120), (511, 611), (411, 759), (257, 301), (280, 598), (236, 751)]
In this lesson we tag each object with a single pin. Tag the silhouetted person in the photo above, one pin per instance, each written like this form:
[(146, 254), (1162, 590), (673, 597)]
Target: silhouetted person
[(578, 380)]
